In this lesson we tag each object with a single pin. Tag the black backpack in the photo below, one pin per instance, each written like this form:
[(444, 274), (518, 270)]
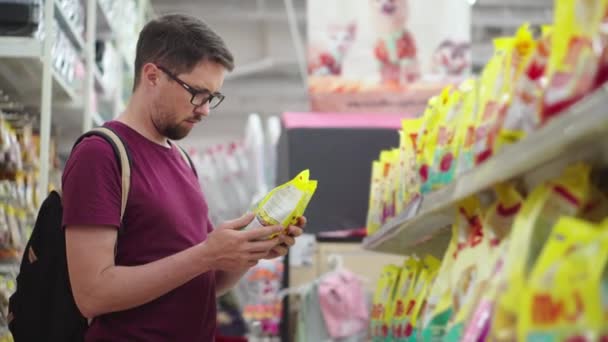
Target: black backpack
[(43, 307)]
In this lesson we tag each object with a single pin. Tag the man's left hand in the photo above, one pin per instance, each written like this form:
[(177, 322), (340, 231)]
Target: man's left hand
[(286, 240)]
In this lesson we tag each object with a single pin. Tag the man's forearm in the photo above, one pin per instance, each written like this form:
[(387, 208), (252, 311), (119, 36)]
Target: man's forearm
[(225, 281), (120, 288)]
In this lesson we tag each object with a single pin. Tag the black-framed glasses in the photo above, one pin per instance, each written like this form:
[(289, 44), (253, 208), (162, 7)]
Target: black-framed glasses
[(199, 97)]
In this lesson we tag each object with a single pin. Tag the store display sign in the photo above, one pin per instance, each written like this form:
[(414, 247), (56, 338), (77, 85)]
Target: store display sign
[(385, 55)]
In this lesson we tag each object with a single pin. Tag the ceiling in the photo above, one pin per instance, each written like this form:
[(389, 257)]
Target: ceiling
[(267, 79)]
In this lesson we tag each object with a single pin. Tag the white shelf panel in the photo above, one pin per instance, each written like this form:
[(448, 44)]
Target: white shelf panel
[(21, 72), (97, 119), (99, 84), (20, 47), (69, 28), (578, 134), (106, 30)]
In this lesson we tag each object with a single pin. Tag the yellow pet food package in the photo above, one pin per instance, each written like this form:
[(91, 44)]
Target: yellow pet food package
[(562, 301), (494, 81), (404, 293), (497, 225), (395, 181), (381, 317), (444, 163), (596, 208), (400, 174), (409, 184), (472, 251), (523, 48), (439, 303), (574, 61), (375, 199), (285, 204), (500, 217), (564, 196), (423, 142), (523, 115), (388, 159), (465, 131), (428, 273)]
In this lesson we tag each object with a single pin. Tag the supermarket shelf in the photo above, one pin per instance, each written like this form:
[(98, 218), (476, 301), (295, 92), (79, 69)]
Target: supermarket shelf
[(99, 85), (97, 119), (578, 134), (21, 72), (107, 31), (104, 28), (69, 28), (20, 47)]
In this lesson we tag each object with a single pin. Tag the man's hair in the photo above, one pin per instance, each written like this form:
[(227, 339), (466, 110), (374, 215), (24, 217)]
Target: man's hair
[(179, 42)]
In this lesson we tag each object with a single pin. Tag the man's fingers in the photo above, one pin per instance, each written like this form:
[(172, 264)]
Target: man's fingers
[(280, 250), (262, 232), (262, 246), (287, 240), (258, 255), (295, 231), (240, 222), (302, 221)]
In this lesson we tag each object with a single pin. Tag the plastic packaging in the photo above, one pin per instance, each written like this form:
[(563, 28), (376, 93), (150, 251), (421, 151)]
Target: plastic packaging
[(517, 60), (443, 160), (467, 269), (498, 222), (404, 296), (382, 313), (553, 306), (422, 163), (564, 196), (285, 204), (410, 182), (523, 115), (574, 61), (439, 303), (427, 139), (465, 133), (417, 303), (374, 213), (495, 81)]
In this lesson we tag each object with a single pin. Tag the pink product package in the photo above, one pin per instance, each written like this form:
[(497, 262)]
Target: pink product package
[(343, 303)]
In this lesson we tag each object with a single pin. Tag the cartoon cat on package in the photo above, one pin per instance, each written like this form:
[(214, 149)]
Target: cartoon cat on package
[(326, 58), (395, 49)]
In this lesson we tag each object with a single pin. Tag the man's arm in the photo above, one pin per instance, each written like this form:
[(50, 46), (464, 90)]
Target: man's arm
[(225, 281), (99, 286)]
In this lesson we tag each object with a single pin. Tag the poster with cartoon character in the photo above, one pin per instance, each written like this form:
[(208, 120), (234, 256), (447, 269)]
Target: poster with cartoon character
[(385, 55)]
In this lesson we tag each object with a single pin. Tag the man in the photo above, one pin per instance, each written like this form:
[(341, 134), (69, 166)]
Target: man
[(170, 264)]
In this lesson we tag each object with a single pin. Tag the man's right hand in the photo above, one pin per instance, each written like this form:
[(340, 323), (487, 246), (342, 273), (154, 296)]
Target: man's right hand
[(234, 250)]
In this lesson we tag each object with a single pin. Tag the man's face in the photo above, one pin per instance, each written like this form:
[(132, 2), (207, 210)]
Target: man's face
[(174, 115)]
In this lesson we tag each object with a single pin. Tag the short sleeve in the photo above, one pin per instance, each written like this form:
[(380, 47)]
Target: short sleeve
[(210, 227), (91, 189)]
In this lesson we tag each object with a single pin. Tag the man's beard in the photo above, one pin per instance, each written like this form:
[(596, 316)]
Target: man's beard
[(175, 132)]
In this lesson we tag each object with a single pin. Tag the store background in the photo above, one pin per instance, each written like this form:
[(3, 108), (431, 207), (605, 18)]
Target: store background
[(270, 80)]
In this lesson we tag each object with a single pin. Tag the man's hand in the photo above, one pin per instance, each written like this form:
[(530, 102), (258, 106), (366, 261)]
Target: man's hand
[(235, 250), (287, 240)]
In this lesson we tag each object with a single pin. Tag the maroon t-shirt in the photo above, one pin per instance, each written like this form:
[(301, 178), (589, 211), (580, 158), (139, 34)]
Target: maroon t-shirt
[(166, 213)]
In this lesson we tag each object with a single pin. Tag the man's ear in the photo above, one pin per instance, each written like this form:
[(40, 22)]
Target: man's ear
[(150, 74)]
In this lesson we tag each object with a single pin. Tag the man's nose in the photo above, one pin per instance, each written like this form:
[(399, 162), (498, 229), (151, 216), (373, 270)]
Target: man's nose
[(202, 109)]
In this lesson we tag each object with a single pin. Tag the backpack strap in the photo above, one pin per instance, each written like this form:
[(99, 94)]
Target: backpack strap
[(122, 155), (186, 158)]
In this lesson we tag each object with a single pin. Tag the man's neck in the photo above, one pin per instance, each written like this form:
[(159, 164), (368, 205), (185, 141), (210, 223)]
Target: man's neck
[(138, 117)]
